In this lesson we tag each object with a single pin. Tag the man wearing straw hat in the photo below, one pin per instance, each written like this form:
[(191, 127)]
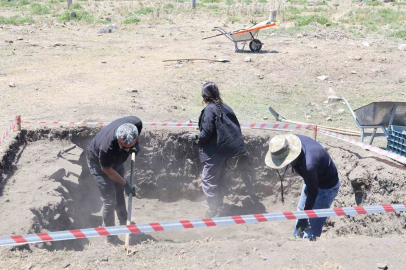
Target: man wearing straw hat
[(312, 162)]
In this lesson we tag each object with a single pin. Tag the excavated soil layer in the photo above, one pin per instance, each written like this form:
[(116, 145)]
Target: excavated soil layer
[(39, 193)]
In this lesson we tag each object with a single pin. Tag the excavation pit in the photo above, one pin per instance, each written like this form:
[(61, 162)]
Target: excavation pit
[(45, 185)]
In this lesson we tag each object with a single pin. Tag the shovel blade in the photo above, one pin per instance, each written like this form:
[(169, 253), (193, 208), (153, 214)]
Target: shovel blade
[(276, 114)]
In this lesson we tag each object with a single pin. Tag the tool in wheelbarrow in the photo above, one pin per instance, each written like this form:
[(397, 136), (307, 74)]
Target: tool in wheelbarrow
[(250, 34)]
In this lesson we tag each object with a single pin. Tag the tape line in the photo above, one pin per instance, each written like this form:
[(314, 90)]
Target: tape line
[(198, 223)]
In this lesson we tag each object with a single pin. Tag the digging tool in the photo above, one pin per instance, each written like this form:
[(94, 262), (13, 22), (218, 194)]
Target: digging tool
[(280, 117), (222, 60), (281, 177), (130, 199), (213, 36)]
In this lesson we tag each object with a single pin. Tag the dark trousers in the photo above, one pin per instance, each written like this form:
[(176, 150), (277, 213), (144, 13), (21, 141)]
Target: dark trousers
[(112, 194), (213, 180)]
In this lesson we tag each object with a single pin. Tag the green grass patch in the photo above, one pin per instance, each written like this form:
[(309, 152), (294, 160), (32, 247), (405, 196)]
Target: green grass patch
[(306, 20), (297, 2), (38, 9), (76, 6), (294, 10), (233, 19), (399, 34), (144, 10), (374, 20), (83, 16), (169, 6), (132, 20), (14, 3), (213, 7), (245, 1), (210, 1), (15, 20), (373, 3), (82, 0)]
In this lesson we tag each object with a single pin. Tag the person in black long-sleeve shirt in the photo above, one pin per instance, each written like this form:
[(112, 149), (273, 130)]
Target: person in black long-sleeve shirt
[(312, 162), (219, 138)]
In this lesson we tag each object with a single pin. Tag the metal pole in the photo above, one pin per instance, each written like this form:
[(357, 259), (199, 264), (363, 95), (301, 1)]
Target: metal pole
[(130, 200), (193, 3)]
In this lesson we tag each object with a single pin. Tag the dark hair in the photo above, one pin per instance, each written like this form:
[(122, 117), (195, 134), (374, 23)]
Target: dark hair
[(211, 93)]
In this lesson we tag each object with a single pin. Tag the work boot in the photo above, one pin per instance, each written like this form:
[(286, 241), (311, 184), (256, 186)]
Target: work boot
[(114, 240), (214, 212)]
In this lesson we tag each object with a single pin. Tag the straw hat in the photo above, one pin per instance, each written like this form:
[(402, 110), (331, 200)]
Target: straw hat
[(283, 149)]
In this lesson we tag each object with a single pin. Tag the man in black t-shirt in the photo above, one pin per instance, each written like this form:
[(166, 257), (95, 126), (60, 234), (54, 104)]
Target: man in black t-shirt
[(106, 155), (312, 162)]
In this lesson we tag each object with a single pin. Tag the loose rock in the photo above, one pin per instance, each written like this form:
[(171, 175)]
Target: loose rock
[(382, 266), (402, 47), (322, 78), (340, 111), (247, 59), (131, 90), (366, 44), (107, 29)]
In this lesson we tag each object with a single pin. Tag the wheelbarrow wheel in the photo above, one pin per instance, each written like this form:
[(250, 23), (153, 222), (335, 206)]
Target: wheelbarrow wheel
[(255, 45)]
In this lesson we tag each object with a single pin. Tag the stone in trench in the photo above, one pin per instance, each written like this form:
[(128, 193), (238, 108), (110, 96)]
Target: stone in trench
[(70, 167), (58, 173)]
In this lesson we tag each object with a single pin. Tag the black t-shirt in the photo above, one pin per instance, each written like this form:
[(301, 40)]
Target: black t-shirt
[(104, 148)]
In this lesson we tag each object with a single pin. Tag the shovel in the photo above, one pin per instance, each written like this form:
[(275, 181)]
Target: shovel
[(130, 200), (280, 117)]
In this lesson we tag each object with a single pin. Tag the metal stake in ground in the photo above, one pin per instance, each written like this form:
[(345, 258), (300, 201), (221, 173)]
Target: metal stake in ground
[(130, 200), (18, 124)]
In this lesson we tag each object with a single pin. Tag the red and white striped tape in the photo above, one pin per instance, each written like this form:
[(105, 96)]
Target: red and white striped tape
[(275, 126), (198, 223), (11, 127), (175, 124), (372, 148)]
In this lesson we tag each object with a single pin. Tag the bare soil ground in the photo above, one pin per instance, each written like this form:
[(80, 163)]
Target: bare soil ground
[(70, 73)]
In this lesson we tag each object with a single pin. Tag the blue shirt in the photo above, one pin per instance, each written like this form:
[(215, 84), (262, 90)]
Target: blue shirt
[(314, 164)]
